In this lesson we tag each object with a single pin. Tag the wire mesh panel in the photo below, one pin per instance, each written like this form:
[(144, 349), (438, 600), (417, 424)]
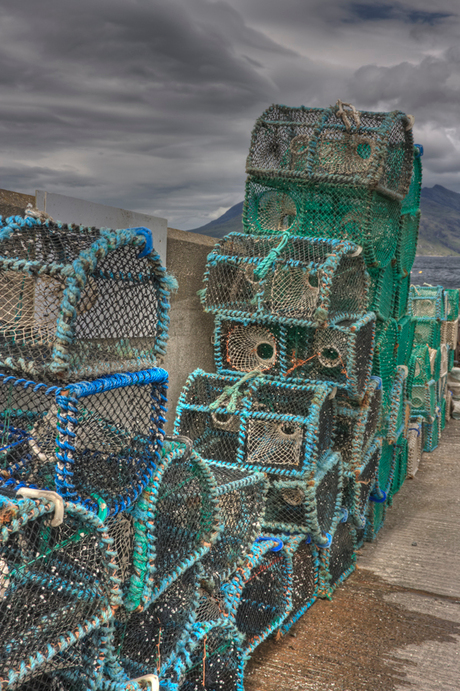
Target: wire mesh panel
[(297, 279), (335, 146), (382, 291), (405, 340), (305, 563), (427, 331), (365, 217), (212, 660), (259, 594), (176, 521), (385, 356), (359, 484), (309, 505), (402, 286), (241, 497), (411, 202), (427, 302), (80, 302), (399, 412), (453, 297), (407, 243), (356, 425), (414, 445), (57, 585), (338, 561), (91, 442)]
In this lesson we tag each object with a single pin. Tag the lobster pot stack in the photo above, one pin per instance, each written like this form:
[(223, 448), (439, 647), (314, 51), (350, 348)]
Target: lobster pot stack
[(83, 322)]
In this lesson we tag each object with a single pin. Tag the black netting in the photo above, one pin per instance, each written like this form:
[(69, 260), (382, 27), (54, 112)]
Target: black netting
[(339, 560), (304, 578)]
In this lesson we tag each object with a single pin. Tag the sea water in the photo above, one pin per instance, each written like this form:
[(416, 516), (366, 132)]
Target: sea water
[(437, 271)]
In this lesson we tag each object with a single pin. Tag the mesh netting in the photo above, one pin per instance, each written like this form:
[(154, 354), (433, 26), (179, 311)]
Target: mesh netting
[(405, 340), (427, 302), (241, 497), (400, 473), (407, 243), (259, 594), (449, 333), (427, 331), (411, 202), (304, 557), (213, 660), (245, 347), (451, 358), (423, 398), (56, 586), (419, 366), (359, 149), (414, 445), (176, 521), (448, 399), (435, 362), (386, 467), (91, 442), (453, 296), (338, 561), (310, 505), (375, 518), (402, 286), (356, 425), (385, 356), (397, 422), (382, 291), (360, 482), (146, 641), (80, 302), (296, 280), (362, 216)]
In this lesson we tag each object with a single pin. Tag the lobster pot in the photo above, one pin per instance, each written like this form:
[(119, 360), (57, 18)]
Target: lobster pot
[(80, 302), (451, 360), (402, 286), (444, 366), (382, 294), (427, 331), (376, 514), (386, 469), (419, 366), (407, 243), (356, 425), (56, 585), (423, 399), (305, 564), (399, 413), (357, 149), (449, 333), (442, 418), (362, 216), (91, 442), (441, 389), (295, 279), (176, 521), (338, 561), (411, 202), (435, 362), (241, 497), (430, 434), (427, 302), (211, 659), (414, 445), (245, 346), (360, 483), (259, 594), (146, 641), (400, 473), (448, 405), (307, 505), (405, 340), (385, 356), (453, 296)]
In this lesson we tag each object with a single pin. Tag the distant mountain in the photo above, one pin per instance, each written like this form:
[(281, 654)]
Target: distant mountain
[(439, 228)]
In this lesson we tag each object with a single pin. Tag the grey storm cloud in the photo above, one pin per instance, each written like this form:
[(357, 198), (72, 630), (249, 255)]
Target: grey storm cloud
[(149, 104)]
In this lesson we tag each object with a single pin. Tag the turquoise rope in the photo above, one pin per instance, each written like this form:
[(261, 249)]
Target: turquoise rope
[(232, 393), (264, 267)]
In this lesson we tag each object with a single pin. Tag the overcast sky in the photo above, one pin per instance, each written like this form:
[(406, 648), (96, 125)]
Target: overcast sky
[(149, 104)]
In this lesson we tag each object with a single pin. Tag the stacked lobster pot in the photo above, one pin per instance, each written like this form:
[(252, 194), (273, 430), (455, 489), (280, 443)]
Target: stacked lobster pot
[(353, 177), (83, 322)]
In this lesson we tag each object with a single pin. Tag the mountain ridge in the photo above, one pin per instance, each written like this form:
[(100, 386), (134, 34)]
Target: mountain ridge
[(439, 233)]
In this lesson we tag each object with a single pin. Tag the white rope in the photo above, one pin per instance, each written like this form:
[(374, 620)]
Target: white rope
[(33, 212), (343, 114)]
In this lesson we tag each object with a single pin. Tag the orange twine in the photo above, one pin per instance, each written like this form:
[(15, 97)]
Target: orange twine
[(298, 363)]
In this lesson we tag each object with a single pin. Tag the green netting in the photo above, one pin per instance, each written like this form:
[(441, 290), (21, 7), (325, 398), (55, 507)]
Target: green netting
[(427, 332), (452, 303), (427, 302), (397, 421), (405, 340), (414, 445), (451, 359), (402, 286), (382, 291), (363, 216), (419, 366), (443, 413), (400, 472), (385, 355), (407, 242), (333, 145), (376, 514), (423, 399), (430, 435), (386, 466), (411, 201), (435, 362)]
